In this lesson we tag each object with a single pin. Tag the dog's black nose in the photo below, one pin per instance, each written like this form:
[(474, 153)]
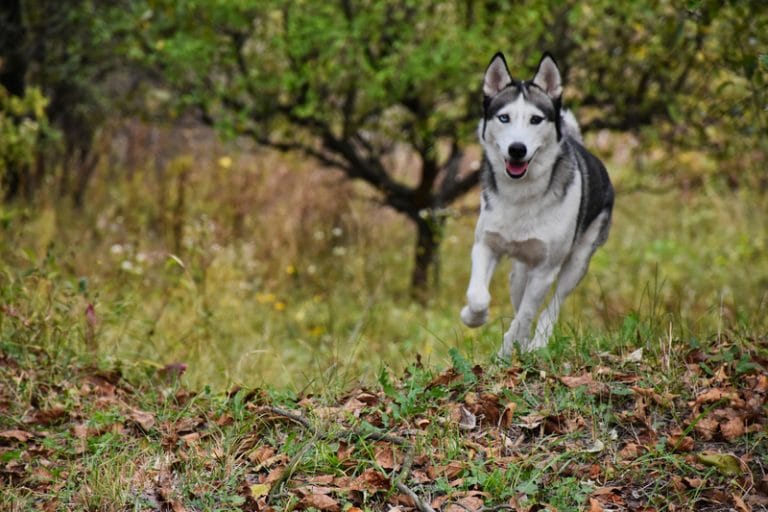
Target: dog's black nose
[(517, 151)]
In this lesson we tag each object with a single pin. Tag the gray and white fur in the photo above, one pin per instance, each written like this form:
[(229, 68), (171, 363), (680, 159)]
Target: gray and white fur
[(546, 201)]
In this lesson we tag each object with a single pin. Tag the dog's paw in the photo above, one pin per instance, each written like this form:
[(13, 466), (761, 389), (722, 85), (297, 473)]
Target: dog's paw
[(473, 318), (504, 354)]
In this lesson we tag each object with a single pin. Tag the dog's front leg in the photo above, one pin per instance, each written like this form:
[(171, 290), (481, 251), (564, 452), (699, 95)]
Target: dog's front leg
[(484, 260), (539, 283)]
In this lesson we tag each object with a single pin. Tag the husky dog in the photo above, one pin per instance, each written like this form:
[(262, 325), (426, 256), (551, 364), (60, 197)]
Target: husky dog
[(546, 201)]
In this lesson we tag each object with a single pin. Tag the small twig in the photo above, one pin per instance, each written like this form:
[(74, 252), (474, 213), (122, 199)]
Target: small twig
[(418, 502), (290, 468), (347, 433), (296, 418)]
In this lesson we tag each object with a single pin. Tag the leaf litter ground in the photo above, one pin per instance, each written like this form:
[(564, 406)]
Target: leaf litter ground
[(685, 432)]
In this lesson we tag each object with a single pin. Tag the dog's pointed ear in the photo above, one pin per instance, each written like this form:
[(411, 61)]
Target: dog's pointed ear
[(497, 76), (548, 78)]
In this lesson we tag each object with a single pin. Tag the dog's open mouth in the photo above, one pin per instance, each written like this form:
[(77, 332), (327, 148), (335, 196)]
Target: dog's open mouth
[(516, 169)]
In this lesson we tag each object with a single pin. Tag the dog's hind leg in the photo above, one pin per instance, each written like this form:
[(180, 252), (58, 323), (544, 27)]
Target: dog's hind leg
[(539, 283), (484, 261), (573, 271), (518, 278)]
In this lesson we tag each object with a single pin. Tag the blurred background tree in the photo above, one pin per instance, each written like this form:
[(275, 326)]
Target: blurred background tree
[(350, 84), (71, 52)]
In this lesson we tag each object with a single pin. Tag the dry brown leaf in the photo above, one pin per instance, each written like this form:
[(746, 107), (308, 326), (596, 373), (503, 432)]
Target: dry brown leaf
[(310, 490), (732, 428), (444, 378), (370, 480), (679, 442), (386, 456), (368, 399), (586, 380), (450, 471), (466, 504), (260, 454), (715, 395), (321, 502), (279, 459), (143, 419), (531, 421), (595, 506), (740, 505), (761, 386), (706, 428), (275, 475), (652, 395), (631, 451), (18, 435), (345, 451), (402, 500), (505, 420), (321, 480), (354, 406), (191, 438)]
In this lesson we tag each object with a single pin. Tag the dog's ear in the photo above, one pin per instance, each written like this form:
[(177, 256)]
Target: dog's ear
[(497, 76), (548, 78)]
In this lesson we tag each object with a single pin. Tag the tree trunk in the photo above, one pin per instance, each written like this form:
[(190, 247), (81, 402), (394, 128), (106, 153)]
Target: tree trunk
[(13, 72), (428, 237)]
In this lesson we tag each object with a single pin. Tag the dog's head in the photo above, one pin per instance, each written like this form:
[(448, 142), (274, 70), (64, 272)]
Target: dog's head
[(520, 117)]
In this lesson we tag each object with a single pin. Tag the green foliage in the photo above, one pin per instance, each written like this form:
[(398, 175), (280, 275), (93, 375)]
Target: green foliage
[(24, 128)]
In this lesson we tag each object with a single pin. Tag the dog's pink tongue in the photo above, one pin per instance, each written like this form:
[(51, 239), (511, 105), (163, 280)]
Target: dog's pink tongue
[(516, 169)]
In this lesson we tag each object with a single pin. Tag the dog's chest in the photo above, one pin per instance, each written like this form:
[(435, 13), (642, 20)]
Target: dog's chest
[(530, 251)]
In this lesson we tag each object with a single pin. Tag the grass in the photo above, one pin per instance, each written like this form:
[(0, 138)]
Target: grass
[(613, 432), (312, 381)]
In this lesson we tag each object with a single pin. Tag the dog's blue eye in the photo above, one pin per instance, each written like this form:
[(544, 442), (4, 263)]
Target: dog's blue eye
[(504, 118), (536, 119)]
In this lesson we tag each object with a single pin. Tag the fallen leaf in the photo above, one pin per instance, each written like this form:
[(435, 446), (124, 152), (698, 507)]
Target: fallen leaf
[(715, 395), (631, 451), (679, 442), (595, 506), (466, 504), (18, 435), (732, 428), (144, 419), (505, 420), (444, 378), (261, 454), (386, 456), (370, 480), (467, 420), (740, 505), (652, 395), (321, 502), (727, 463), (354, 406), (449, 471), (259, 490), (694, 483), (706, 428)]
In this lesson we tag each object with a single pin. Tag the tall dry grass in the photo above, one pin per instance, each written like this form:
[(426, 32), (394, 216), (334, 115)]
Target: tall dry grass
[(257, 268)]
